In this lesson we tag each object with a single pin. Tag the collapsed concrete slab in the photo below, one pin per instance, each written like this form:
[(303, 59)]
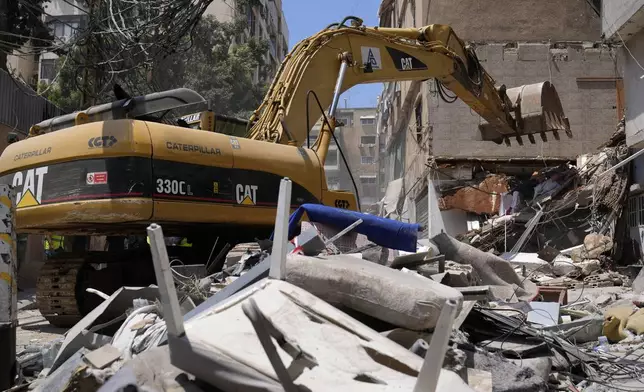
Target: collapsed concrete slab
[(320, 347), (387, 294)]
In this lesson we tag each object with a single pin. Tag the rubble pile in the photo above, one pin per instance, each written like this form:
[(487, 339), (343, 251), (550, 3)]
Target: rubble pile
[(422, 314), (564, 224)]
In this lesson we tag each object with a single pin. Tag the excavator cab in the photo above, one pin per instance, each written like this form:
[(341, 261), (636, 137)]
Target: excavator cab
[(207, 120)]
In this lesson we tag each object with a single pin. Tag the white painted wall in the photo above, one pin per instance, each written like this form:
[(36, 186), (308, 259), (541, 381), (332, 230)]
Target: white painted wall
[(452, 222), (224, 10), (634, 91), (68, 7), (616, 13)]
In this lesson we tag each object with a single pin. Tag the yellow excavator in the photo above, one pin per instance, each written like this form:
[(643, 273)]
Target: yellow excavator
[(112, 169)]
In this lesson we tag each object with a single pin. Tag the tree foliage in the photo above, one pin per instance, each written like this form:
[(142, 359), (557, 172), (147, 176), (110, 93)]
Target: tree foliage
[(20, 22), (214, 66)]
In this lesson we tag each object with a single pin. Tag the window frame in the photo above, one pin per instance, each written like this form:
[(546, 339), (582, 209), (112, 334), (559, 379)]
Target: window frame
[(362, 142)]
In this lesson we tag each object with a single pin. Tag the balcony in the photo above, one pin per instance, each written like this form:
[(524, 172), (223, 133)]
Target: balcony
[(622, 19)]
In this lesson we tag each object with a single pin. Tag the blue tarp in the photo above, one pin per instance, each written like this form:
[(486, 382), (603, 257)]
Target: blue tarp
[(381, 231)]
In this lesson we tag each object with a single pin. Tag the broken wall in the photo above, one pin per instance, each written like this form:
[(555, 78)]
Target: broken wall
[(587, 81), (520, 42)]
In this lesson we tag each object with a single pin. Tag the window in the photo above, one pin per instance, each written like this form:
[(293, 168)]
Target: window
[(47, 69), (368, 140), (345, 121), (369, 189), (64, 30), (367, 121), (331, 158), (366, 160), (636, 211), (333, 182), (419, 121)]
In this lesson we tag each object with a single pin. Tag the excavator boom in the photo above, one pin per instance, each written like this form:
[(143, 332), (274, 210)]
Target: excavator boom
[(344, 56)]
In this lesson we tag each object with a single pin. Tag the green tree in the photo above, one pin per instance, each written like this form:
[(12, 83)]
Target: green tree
[(213, 66), (21, 21), (223, 72)]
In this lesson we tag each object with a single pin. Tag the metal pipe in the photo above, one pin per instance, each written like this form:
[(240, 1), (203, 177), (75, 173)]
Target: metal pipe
[(433, 363), (420, 348), (280, 239), (344, 65), (343, 232), (8, 287), (167, 292)]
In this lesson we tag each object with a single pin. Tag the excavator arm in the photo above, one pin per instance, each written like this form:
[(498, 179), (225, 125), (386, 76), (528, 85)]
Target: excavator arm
[(339, 57)]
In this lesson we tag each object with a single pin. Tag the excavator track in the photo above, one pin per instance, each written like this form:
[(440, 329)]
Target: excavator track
[(56, 291)]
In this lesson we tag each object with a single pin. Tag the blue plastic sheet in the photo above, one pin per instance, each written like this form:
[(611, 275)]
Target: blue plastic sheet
[(381, 231)]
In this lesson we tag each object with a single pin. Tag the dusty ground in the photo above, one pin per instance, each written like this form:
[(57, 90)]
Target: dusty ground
[(33, 329)]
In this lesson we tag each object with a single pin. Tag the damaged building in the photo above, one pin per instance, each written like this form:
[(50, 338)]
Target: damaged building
[(423, 137), (623, 24)]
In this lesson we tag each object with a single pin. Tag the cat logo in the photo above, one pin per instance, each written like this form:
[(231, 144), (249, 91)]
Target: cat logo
[(246, 194), (31, 184), (344, 204)]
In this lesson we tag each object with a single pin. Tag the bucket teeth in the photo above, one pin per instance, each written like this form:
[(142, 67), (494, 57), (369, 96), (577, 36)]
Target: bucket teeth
[(556, 135), (531, 138), (507, 141), (536, 108), (544, 137), (519, 140)]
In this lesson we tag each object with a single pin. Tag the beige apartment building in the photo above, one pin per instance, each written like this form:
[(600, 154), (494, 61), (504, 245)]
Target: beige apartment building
[(265, 21), (518, 42), (357, 139)]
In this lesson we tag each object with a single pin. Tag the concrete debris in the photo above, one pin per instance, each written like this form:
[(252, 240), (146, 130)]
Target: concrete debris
[(539, 298), (482, 199), (101, 357)]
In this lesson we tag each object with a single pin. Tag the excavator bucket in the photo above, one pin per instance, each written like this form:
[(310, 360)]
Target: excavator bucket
[(536, 110)]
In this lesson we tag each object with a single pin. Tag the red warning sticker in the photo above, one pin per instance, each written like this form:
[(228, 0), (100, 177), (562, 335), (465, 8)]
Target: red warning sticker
[(97, 178)]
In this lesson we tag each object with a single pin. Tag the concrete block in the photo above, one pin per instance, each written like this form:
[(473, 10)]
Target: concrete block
[(559, 55), (575, 52), (533, 52), (510, 54), (575, 115), (494, 52), (592, 54)]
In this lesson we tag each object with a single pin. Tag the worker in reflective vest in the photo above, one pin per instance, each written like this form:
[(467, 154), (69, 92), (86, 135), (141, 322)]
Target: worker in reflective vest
[(53, 244)]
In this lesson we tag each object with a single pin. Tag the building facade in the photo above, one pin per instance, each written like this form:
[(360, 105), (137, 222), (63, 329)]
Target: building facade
[(519, 42), (358, 142), (265, 21), (623, 24)]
